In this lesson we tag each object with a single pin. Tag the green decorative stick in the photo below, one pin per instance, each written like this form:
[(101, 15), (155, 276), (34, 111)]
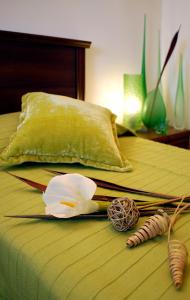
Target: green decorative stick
[(179, 109)]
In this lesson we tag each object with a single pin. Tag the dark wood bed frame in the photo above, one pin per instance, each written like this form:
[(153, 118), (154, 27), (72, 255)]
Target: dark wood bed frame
[(30, 62)]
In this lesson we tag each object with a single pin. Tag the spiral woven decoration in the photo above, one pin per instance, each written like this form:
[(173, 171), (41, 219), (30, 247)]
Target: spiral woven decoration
[(177, 253), (123, 213), (154, 226)]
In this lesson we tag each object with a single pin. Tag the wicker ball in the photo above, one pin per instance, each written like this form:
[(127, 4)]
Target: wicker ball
[(123, 213)]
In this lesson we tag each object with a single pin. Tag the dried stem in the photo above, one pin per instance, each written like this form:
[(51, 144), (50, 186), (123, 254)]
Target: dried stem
[(177, 211), (159, 203)]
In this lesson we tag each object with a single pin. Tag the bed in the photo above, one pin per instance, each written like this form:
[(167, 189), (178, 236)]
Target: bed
[(78, 259)]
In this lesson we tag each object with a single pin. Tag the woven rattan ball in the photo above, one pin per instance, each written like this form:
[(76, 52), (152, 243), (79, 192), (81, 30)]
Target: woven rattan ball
[(123, 213)]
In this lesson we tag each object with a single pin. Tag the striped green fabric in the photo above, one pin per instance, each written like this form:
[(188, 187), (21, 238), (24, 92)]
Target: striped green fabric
[(88, 259)]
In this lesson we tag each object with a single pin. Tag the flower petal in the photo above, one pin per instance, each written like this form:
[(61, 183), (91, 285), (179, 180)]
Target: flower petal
[(69, 195), (89, 207), (61, 211), (69, 187)]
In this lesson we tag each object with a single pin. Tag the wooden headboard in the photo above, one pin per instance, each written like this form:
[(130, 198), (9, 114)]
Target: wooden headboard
[(30, 62)]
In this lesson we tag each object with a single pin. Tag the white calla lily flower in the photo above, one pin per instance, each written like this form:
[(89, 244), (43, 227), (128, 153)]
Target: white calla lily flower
[(70, 195)]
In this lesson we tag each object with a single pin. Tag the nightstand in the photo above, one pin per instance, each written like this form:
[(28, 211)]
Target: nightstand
[(179, 138)]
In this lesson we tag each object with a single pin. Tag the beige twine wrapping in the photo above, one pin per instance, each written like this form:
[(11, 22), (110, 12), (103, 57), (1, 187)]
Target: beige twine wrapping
[(154, 226), (177, 253), (123, 213)]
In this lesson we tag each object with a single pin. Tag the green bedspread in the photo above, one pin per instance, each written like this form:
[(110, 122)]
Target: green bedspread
[(88, 259)]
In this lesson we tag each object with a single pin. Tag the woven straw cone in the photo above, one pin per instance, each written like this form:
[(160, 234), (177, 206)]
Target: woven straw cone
[(154, 226), (123, 213), (177, 253)]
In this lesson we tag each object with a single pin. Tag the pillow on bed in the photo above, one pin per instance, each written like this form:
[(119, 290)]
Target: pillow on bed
[(59, 129), (124, 131)]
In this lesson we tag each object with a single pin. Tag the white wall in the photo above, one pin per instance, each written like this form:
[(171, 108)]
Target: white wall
[(115, 28), (175, 13)]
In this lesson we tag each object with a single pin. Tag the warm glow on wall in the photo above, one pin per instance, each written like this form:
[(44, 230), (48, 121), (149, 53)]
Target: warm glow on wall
[(133, 101), (112, 98), (133, 105)]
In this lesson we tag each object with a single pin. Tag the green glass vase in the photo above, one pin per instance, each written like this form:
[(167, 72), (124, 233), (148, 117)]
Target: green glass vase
[(179, 109), (134, 95), (154, 112)]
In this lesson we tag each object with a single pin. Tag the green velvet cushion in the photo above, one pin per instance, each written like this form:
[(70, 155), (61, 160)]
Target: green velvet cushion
[(60, 129)]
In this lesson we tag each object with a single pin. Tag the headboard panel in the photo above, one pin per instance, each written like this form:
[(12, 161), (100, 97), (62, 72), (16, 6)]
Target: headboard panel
[(30, 62)]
